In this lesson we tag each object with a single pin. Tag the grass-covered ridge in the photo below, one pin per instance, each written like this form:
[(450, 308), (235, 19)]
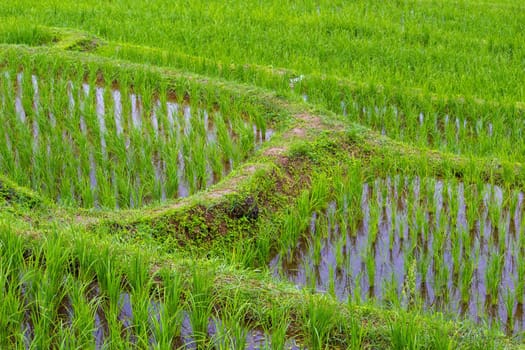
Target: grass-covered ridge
[(202, 178)]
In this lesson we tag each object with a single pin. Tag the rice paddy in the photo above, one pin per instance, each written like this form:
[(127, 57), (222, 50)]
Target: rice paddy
[(96, 143), (458, 245), (312, 175)]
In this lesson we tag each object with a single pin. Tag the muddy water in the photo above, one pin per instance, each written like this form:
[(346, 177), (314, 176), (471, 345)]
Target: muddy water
[(104, 116), (455, 249)]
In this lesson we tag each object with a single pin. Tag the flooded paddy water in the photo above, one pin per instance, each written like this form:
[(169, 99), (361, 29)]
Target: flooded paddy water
[(96, 145), (442, 244)]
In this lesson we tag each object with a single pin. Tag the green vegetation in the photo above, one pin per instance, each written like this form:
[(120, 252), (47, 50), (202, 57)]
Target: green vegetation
[(270, 175), (95, 155)]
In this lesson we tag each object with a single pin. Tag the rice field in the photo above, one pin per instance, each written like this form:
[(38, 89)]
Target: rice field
[(93, 141), (445, 245), (270, 175), (91, 300)]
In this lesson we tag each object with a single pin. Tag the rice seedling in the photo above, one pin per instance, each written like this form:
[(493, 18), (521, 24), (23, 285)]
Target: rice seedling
[(493, 275), (11, 308), (83, 311), (167, 326), (280, 322), (404, 332), (201, 306), (318, 320), (140, 295), (234, 332), (440, 337), (357, 333)]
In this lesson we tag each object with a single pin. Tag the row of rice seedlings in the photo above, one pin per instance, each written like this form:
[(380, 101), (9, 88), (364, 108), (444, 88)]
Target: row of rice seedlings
[(484, 131), (60, 295), (466, 127), (376, 36), (95, 145), (49, 303), (465, 243)]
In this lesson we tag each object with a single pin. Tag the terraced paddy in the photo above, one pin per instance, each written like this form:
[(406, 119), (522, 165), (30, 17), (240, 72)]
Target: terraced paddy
[(194, 176), (411, 240), (93, 141)]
